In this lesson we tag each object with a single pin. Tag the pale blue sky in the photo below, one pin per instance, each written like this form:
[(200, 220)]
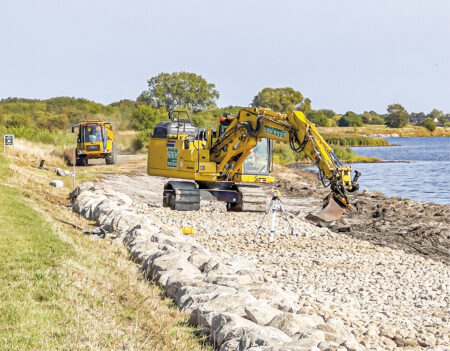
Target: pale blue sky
[(344, 55)]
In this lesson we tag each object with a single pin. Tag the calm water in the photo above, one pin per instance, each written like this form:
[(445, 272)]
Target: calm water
[(424, 177)]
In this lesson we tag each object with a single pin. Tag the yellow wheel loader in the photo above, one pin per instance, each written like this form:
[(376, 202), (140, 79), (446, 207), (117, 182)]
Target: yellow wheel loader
[(95, 139), (228, 163)]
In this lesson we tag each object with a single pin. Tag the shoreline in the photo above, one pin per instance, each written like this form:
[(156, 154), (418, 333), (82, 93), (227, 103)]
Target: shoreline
[(306, 171)]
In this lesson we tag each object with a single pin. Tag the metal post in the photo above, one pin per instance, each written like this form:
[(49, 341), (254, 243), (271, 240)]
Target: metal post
[(274, 220), (74, 162)]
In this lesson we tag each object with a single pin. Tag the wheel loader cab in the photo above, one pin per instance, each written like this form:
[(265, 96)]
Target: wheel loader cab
[(95, 140)]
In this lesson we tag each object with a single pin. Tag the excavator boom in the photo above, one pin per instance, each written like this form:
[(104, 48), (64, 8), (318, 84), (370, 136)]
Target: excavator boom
[(253, 124)]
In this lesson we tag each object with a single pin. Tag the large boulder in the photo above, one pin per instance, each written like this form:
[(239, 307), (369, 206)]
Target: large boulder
[(80, 188), (176, 279), (261, 312), (273, 294), (291, 323), (175, 261), (227, 326), (235, 303), (232, 280), (190, 297)]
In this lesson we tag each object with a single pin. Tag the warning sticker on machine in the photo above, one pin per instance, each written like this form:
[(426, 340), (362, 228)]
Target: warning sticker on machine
[(275, 131), (172, 157)]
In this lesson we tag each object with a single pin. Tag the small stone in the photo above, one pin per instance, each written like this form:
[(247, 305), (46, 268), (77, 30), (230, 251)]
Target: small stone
[(60, 172), (372, 332), (388, 332), (389, 343), (427, 340), (57, 183)]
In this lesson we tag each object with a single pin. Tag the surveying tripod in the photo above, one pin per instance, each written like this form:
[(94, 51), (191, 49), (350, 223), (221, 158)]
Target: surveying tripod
[(275, 205)]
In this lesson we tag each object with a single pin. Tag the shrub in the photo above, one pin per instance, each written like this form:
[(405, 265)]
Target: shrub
[(445, 122), (318, 118), (428, 124), (377, 120), (141, 140), (16, 121), (350, 119)]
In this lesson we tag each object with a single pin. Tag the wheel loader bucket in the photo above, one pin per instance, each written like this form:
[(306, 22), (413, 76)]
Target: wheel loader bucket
[(330, 213)]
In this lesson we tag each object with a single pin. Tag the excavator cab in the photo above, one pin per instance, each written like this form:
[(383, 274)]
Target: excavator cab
[(260, 159)]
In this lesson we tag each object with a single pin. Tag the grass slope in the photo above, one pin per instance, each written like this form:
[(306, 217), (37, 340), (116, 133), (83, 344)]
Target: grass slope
[(60, 290)]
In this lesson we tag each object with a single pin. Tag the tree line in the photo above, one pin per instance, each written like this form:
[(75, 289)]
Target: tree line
[(194, 93), (184, 90)]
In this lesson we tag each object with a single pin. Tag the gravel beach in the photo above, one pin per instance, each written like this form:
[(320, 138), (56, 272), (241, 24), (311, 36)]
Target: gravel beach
[(382, 269)]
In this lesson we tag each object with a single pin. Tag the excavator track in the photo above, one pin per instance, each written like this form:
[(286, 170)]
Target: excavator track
[(253, 199), (181, 196)]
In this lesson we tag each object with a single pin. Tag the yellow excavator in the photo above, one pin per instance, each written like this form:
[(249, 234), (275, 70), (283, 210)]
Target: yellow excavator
[(228, 163)]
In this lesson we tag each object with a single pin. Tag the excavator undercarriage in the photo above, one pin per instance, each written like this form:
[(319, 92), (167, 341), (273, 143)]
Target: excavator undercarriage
[(186, 196)]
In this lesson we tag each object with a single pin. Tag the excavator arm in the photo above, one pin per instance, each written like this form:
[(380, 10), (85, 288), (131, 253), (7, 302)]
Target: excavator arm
[(232, 148)]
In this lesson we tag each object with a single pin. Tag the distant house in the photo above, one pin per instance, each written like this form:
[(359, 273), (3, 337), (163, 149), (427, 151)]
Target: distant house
[(415, 118)]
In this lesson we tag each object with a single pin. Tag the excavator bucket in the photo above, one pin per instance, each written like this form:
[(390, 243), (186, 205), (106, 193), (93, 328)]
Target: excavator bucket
[(330, 213)]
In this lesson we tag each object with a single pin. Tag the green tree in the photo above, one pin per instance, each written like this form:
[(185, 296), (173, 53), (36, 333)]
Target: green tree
[(429, 124), (328, 113), (146, 117), (278, 99), (305, 107), (435, 113), (398, 117), (318, 118), (350, 119), (179, 90), (372, 118)]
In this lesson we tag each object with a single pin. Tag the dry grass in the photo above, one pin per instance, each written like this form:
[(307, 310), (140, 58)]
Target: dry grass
[(32, 153), (124, 139), (101, 299)]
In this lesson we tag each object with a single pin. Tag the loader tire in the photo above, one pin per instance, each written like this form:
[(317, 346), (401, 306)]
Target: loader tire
[(111, 159), (81, 161)]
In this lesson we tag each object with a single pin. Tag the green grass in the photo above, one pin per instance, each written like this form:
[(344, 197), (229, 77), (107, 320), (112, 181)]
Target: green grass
[(31, 288), (61, 290), (345, 154), (356, 141)]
